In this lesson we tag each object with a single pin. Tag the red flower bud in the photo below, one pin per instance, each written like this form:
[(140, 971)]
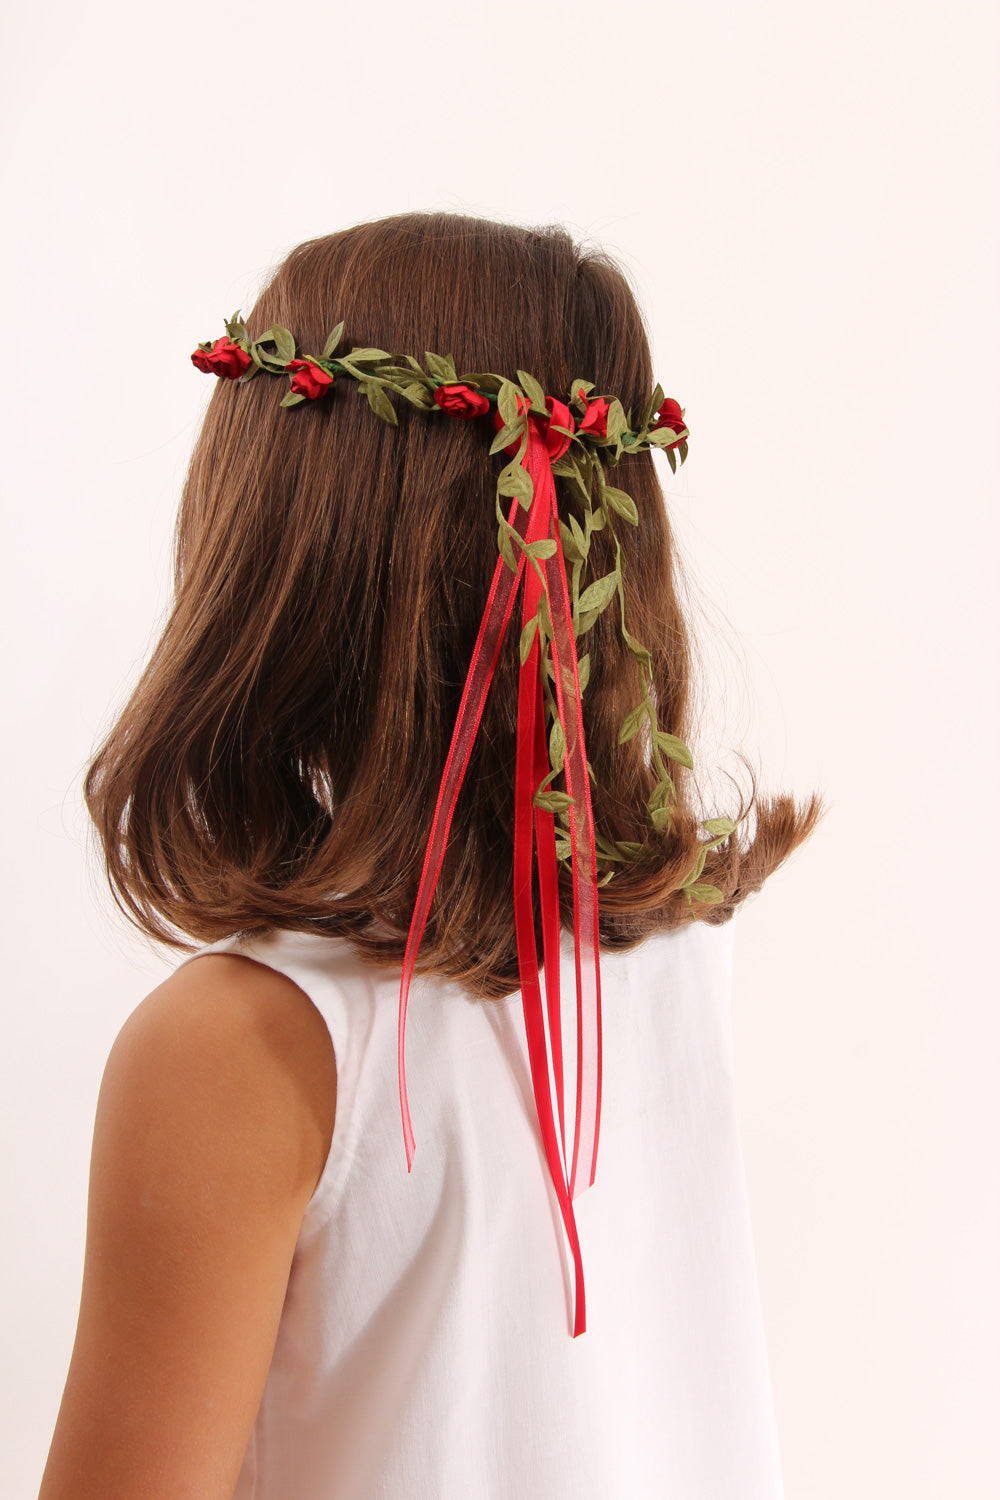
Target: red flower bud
[(669, 415), (308, 380), (461, 401), (225, 358), (595, 416)]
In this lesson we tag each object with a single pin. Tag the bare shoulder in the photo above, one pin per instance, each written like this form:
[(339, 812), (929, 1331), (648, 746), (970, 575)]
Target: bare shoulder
[(213, 1124), (245, 1044)]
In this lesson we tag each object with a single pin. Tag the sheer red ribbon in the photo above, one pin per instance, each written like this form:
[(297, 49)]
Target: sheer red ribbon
[(534, 834)]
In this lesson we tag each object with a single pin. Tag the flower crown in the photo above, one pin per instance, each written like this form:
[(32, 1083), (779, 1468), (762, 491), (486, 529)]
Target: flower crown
[(543, 437), (235, 356), (583, 436)]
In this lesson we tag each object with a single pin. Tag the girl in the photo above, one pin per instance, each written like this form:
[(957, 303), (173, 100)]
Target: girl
[(273, 1306)]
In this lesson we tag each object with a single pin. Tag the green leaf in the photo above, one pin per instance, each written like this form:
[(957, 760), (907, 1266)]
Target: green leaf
[(267, 359), (708, 895), (507, 404), (662, 795), (527, 639), (442, 367), (617, 423), (515, 480), (663, 437), (719, 826), (598, 595), (674, 749), (583, 672), (634, 719), (505, 548), (582, 541), (488, 384), (637, 649), (533, 391), (333, 340), (622, 503), (291, 398), (695, 871), (652, 406), (417, 395), (506, 436), (553, 801), (661, 818), (557, 746), (380, 403), (571, 547), (545, 547), (283, 343), (546, 781), (568, 468), (364, 356)]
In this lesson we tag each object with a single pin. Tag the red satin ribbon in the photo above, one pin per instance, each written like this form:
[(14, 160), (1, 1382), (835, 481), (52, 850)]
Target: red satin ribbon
[(534, 831)]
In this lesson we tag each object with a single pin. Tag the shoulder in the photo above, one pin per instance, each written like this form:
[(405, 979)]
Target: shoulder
[(234, 1053), (213, 1125)]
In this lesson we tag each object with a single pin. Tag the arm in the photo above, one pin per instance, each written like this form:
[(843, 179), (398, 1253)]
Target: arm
[(214, 1121)]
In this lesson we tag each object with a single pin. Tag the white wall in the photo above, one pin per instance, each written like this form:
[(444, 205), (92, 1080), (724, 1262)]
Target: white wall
[(807, 197)]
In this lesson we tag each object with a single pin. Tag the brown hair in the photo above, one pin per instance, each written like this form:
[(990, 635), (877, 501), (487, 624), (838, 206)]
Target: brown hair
[(278, 762)]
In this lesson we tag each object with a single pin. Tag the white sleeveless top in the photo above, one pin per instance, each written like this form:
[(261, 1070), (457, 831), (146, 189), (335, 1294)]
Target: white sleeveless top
[(424, 1348)]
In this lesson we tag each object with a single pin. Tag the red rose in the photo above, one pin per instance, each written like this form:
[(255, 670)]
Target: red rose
[(595, 416), (225, 359), (461, 401), (669, 415), (308, 380)]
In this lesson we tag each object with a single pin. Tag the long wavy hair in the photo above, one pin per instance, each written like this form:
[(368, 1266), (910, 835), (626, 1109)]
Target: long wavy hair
[(278, 762)]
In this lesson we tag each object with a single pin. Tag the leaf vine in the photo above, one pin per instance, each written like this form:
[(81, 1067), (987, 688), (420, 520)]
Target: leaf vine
[(597, 441)]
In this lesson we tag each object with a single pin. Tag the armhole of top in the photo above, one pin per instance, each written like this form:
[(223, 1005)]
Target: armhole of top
[(326, 1193)]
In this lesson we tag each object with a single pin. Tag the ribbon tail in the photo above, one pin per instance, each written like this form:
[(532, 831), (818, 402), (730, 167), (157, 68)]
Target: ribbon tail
[(548, 890), (528, 706), (586, 936), (532, 823), (493, 628)]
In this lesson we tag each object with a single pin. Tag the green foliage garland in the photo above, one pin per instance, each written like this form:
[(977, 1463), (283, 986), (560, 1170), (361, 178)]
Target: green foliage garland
[(582, 467)]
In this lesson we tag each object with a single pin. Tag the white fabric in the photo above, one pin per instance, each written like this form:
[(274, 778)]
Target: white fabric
[(424, 1350)]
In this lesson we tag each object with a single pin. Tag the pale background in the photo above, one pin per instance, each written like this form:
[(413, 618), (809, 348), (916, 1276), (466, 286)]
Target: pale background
[(807, 199)]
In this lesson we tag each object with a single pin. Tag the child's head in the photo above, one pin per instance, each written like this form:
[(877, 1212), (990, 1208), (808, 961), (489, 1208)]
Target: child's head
[(279, 761)]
